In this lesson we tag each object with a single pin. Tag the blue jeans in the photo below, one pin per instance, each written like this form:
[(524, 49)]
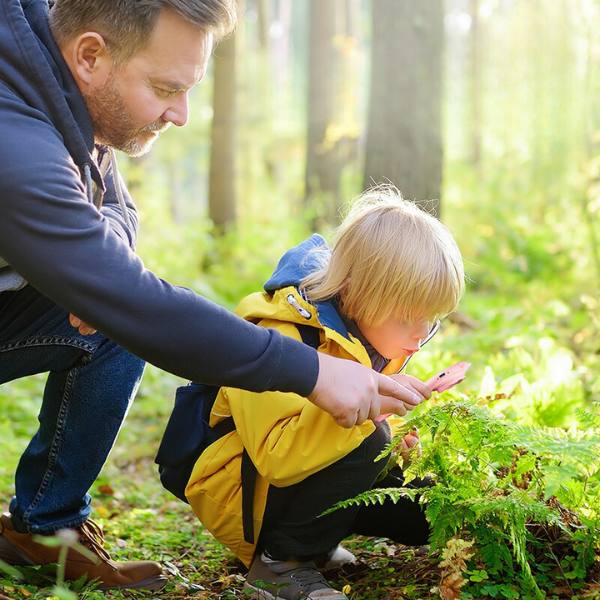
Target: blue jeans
[(90, 386)]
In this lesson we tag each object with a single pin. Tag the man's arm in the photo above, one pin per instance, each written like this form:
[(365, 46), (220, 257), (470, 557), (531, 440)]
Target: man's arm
[(66, 249), (351, 395), (73, 254)]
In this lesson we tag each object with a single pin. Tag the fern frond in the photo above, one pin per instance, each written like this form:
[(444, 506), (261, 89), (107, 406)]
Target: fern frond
[(491, 478), (375, 496), (494, 555), (576, 451), (588, 418), (516, 508)]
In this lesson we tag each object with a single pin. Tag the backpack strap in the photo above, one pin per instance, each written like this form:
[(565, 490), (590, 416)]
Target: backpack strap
[(223, 427), (248, 486), (311, 337)]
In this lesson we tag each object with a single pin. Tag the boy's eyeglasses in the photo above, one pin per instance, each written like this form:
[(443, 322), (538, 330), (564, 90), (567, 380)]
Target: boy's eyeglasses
[(432, 332)]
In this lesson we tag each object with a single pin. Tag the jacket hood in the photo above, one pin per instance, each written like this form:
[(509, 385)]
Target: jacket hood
[(298, 262), (294, 265), (33, 67)]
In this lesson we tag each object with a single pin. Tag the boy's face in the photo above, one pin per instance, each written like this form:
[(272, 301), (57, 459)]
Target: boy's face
[(394, 338)]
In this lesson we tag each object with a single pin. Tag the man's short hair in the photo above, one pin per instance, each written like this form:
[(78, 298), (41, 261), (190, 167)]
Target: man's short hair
[(126, 25)]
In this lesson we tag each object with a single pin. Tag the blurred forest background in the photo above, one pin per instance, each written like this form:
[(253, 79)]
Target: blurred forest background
[(485, 111), (488, 109)]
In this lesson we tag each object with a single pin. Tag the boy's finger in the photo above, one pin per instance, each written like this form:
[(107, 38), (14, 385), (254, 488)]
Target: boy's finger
[(411, 440)]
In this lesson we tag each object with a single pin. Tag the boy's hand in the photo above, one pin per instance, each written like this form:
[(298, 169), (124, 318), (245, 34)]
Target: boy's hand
[(410, 440), (410, 443), (352, 393)]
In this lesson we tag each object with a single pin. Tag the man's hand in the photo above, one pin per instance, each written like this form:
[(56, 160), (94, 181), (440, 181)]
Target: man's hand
[(414, 385), (83, 328), (352, 393)]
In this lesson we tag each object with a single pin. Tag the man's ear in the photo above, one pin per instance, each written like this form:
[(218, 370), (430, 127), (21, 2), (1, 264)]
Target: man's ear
[(89, 60)]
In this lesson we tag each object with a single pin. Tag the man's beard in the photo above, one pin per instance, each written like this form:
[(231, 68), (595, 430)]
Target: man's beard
[(113, 124)]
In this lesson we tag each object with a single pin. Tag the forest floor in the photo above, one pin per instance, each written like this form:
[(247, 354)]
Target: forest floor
[(142, 521)]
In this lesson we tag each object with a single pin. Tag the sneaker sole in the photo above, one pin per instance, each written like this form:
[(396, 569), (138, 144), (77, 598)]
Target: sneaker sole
[(152, 584), (260, 594)]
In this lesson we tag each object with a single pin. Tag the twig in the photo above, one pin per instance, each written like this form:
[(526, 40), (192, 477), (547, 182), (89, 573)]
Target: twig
[(560, 567)]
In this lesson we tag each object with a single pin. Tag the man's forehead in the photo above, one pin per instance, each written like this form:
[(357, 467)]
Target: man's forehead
[(177, 52)]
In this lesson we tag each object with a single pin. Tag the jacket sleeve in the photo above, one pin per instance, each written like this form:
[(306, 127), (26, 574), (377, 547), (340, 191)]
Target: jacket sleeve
[(68, 250), (287, 437)]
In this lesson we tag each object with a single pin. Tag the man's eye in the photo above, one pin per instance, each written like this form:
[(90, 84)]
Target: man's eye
[(165, 93)]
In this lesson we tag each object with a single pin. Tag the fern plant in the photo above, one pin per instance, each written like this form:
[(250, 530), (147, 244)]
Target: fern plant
[(524, 498)]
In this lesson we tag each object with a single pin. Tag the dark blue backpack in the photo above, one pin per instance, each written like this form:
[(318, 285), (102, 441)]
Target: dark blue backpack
[(187, 435)]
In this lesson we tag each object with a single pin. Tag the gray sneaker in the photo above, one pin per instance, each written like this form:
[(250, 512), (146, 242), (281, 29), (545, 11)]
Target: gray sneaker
[(288, 580)]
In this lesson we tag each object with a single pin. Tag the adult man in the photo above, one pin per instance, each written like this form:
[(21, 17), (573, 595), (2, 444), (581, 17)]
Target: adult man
[(75, 80)]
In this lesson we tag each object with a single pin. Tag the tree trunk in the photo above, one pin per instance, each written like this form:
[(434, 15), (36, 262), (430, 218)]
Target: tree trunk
[(476, 84), (404, 139), (331, 138), (264, 13), (222, 195)]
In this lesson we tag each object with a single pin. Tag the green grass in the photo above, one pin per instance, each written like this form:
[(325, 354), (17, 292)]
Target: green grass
[(141, 521)]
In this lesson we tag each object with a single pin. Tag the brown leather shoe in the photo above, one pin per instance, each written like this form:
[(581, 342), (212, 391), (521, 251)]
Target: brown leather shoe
[(19, 549)]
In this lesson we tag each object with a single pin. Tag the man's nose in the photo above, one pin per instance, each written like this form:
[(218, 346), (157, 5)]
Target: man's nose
[(178, 112)]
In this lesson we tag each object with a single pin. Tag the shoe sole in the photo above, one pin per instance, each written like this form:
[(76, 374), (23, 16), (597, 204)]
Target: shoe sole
[(11, 556), (260, 594), (152, 584)]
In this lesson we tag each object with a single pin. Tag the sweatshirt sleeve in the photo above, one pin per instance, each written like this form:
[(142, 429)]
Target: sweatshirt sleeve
[(68, 250)]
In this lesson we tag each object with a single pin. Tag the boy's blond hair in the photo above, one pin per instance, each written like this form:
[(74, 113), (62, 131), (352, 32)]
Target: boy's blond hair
[(390, 258)]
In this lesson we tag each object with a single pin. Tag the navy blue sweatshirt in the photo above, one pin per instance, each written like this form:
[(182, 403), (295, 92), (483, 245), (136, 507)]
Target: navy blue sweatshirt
[(80, 256)]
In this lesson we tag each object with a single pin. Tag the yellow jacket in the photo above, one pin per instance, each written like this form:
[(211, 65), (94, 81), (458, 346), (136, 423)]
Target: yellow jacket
[(285, 435)]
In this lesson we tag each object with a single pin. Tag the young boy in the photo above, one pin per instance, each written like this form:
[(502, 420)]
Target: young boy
[(393, 271)]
